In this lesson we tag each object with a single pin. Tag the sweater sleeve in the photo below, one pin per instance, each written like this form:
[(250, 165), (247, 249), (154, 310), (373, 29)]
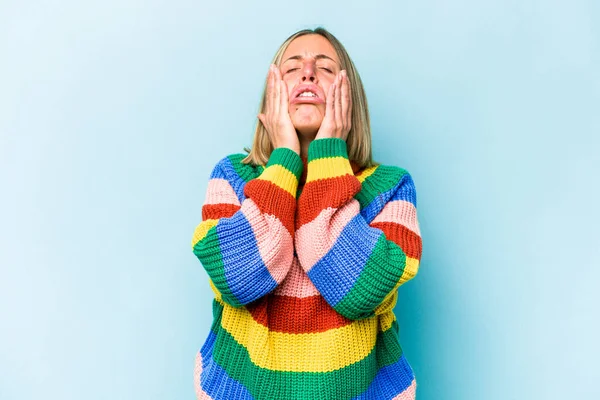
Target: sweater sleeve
[(356, 266), (245, 242)]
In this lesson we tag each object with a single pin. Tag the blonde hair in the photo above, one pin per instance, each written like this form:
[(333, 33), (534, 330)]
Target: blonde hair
[(359, 137)]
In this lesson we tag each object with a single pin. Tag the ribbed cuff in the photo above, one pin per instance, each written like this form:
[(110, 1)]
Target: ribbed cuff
[(327, 147), (328, 158), (284, 169), (287, 158)]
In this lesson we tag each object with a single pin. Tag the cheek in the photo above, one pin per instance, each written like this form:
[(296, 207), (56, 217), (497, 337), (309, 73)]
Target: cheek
[(326, 87), (290, 87)]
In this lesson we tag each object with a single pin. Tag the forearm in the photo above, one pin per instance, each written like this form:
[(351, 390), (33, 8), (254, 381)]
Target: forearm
[(249, 252), (356, 266)]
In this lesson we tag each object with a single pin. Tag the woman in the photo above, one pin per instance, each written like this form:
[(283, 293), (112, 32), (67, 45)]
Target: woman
[(305, 241)]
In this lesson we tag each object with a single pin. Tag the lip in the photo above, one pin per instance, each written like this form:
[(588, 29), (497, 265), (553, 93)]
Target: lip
[(308, 100)]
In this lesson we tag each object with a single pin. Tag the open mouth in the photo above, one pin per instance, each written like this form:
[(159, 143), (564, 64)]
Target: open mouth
[(306, 94)]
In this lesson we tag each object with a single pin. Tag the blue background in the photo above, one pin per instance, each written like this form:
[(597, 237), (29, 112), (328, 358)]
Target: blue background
[(113, 113)]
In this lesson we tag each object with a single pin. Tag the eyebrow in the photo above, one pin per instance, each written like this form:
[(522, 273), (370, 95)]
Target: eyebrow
[(317, 57)]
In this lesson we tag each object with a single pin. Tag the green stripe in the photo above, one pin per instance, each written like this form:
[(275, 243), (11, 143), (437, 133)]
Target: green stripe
[(389, 350), (208, 250), (244, 171), (288, 159), (383, 179), (327, 147), (379, 276), (234, 358)]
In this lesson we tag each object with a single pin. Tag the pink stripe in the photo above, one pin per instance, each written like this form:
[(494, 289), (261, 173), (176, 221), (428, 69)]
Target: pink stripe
[(401, 212), (410, 393), (200, 393), (275, 244), (296, 283), (315, 239), (219, 191)]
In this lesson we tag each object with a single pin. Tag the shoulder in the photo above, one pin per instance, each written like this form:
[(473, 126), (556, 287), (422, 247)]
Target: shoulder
[(232, 168), (382, 184), (235, 172), (384, 176), (380, 179)]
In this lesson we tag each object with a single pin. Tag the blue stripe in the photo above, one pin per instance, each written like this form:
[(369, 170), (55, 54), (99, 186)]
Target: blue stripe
[(214, 380), (218, 171), (376, 205), (389, 382), (337, 271), (236, 181), (247, 276), (404, 190)]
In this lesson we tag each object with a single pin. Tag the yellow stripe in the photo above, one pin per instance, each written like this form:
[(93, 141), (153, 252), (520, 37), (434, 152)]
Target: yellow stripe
[(388, 303), (202, 229), (328, 167), (366, 173), (218, 294), (304, 352), (410, 270), (385, 320), (282, 177)]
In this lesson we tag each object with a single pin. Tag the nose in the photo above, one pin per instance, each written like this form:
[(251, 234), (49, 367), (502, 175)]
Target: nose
[(308, 72)]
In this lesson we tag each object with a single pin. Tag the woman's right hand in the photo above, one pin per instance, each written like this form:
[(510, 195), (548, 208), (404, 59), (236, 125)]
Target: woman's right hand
[(276, 118)]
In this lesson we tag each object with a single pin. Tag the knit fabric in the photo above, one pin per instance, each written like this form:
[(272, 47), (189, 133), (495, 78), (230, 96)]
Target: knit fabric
[(305, 281)]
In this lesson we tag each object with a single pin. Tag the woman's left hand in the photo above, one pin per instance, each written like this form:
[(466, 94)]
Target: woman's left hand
[(338, 110)]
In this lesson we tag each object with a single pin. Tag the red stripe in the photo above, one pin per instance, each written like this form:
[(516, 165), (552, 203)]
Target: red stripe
[(323, 193), (408, 240), (271, 199), (289, 314), (216, 211)]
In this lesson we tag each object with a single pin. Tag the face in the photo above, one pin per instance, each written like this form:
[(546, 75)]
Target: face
[(309, 64)]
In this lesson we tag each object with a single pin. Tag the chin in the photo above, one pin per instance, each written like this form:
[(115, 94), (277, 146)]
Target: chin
[(307, 130), (307, 124)]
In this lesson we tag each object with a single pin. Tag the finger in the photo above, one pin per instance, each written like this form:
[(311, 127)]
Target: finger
[(275, 93), (271, 80), (281, 104), (277, 72), (284, 97), (349, 114), (329, 104), (338, 106), (346, 108), (270, 89), (282, 92), (349, 94)]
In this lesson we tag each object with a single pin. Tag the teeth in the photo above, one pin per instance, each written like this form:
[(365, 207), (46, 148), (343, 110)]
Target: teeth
[(307, 94)]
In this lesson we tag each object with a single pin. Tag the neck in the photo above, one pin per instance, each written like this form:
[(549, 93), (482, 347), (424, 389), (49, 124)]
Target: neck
[(305, 138)]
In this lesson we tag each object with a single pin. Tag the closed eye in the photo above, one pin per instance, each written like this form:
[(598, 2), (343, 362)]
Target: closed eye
[(293, 69)]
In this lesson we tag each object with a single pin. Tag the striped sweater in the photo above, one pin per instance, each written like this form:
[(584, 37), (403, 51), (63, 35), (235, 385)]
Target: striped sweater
[(305, 278)]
